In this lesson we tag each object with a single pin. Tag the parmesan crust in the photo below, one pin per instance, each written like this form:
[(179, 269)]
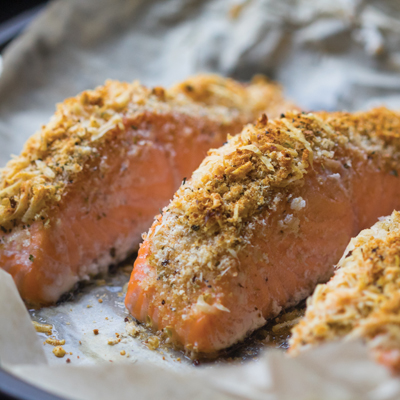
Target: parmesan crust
[(72, 142), (253, 99), (362, 300), (212, 217)]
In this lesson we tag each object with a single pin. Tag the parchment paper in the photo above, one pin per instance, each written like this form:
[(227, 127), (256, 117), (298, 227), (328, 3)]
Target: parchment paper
[(18, 341), (328, 55), (273, 377)]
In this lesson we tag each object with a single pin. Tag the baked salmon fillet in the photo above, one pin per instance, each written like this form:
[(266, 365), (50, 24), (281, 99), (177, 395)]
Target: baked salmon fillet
[(362, 300), (262, 221), (90, 181)]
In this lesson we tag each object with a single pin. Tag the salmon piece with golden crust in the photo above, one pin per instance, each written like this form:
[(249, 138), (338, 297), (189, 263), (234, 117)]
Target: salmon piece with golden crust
[(362, 300), (261, 222), (90, 182)]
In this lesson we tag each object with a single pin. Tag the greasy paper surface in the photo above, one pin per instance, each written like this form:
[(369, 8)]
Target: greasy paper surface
[(100, 307), (76, 320), (327, 54)]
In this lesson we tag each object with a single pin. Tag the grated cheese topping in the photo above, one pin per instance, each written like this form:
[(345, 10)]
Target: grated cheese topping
[(213, 216), (54, 158), (260, 95)]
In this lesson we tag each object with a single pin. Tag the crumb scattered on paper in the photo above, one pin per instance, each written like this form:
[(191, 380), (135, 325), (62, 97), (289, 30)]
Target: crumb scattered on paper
[(59, 352), (55, 342), (44, 328), (153, 342)]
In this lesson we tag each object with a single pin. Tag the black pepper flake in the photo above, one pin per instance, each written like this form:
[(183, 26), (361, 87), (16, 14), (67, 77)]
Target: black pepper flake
[(189, 88), (196, 362), (162, 302), (282, 115), (3, 229), (184, 181), (31, 258), (349, 253), (394, 172), (126, 319), (13, 203), (134, 127), (195, 227), (164, 263), (266, 279), (347, 166)]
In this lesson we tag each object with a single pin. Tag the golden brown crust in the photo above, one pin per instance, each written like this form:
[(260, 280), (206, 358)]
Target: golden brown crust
[(260, 95), (55, 157), (210, 219), (362, 300)]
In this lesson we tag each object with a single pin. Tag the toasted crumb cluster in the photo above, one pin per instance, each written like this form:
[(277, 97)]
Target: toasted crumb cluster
[(362, 300), (213, 216), (259, 96), (55, 342), (56, 156), (59, 352), (43, 328)]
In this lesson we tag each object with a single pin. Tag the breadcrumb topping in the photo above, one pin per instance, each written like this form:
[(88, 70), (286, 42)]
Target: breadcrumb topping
[(259, 95), (362, 300), (213, 215), (76, 136)]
